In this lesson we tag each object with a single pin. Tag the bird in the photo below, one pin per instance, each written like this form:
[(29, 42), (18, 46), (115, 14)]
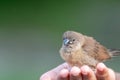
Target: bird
[(79, 49)]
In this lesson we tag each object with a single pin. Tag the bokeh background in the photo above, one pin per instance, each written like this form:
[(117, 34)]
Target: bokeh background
[(31, 31)]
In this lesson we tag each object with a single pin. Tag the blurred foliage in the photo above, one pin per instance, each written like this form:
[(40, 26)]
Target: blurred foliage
[(31, 31)]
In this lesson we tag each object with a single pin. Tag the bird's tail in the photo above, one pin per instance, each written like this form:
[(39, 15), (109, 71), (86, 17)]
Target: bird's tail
[(114, 52)]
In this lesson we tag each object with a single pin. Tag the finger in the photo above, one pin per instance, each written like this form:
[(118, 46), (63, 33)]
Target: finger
[(104, 73), (87, 73), (53, 74), (63, 75), (75, 73), (117, 76), (45, 77)]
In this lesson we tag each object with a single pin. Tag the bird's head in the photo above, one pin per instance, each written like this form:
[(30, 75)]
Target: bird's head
[(72, 41)]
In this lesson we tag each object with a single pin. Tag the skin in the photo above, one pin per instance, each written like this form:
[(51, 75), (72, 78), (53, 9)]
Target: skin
[(64, 72)]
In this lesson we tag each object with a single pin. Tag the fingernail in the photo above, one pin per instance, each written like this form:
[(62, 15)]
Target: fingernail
[(64, 73), (75, 71), (101, 67), (85, 69)]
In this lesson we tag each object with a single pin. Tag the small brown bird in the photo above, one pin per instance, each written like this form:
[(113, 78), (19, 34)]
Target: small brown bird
[(78, 49)]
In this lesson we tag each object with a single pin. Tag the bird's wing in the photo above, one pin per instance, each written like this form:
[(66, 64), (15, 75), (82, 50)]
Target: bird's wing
[(95, 49)]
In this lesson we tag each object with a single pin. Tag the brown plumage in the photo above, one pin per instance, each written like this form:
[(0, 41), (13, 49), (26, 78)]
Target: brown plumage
[(78, 49)]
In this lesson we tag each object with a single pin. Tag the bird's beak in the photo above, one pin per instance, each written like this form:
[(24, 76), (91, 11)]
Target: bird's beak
[(66, 41)]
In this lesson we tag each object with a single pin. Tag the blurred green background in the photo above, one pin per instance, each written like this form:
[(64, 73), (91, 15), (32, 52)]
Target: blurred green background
[(31, 31)]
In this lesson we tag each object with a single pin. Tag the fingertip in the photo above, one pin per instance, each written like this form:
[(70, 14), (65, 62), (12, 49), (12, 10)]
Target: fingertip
[(101, 71), (64, 73), (85, 70), (75, 71), (87, 73), (105, 73), (101, 67)]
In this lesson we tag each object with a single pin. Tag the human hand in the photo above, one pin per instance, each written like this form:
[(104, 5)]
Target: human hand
[(64, 72)]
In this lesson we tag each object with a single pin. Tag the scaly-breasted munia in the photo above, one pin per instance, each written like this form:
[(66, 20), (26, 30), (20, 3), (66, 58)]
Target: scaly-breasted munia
[(78, 49)]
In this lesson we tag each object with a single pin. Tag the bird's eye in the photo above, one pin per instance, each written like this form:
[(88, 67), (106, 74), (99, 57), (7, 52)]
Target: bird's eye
[(73, 40)]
